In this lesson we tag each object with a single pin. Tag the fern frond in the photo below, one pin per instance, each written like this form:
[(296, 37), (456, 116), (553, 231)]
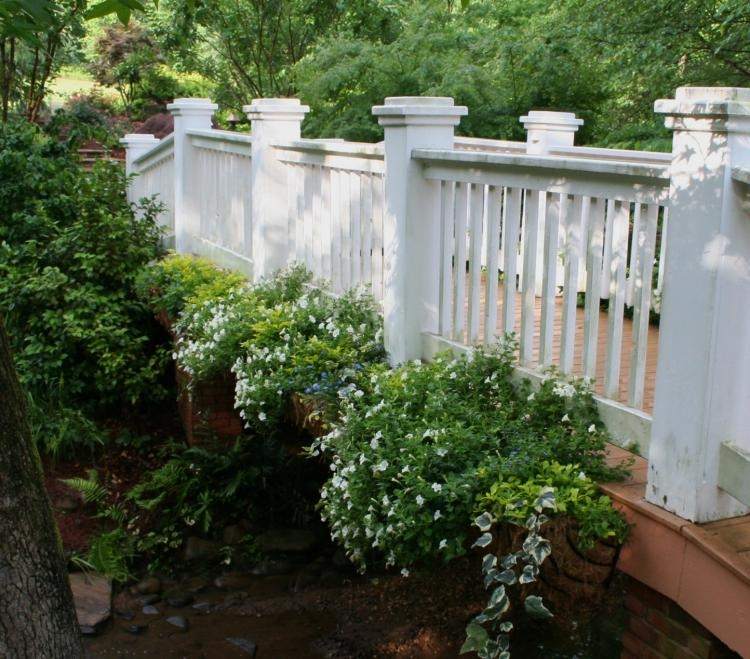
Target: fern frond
[(92, 491)]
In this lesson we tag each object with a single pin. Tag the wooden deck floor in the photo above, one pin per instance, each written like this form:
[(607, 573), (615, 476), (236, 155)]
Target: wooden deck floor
[(625, 354)]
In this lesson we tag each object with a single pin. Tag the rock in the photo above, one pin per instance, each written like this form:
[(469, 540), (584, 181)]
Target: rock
[(203, 607), (234, 580), (135, 629), (244, 644), (293, 541), (150, 610), (149, 599), (272, 568), (92, 595), (195, 585), (125, 615), (88, 630), (235, 598), (147, 586), (198, 548), (178, 621), (233, 535), (178, 599), (67, 503)]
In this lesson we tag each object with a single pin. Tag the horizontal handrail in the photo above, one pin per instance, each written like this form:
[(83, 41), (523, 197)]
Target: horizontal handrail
[(165, 144), (334, 147), (222, 136), (619, 155), (641, 182), (483, 144), (224, 141)]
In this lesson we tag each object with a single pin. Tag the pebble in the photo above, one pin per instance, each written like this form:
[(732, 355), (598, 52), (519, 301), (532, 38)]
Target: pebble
[(88, 630), (244, 644), (178, 621), (272, 568), (234, 580), (149, 599), (134, 629), (147, 586), (125, 615), (178, 599), (150, 610), (203, 607)]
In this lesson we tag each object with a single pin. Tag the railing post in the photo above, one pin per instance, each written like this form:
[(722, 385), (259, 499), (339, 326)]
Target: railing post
[(136, 144), (545, 130), (702, 396), (189, 114), (272, 120), (411, 228)]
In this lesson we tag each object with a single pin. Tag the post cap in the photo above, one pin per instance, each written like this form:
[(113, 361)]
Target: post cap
[(276, 109), (138, 139), (566, 122), (706, 102), (193, 106), (421, 110)]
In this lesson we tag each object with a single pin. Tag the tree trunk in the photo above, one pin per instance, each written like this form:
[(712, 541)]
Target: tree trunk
[(37, 617)]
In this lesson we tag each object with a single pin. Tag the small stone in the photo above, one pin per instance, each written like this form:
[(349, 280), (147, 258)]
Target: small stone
[(233, 535), (234, 580), (195, 585), (148, 586), (203, 607), (67, 503), (178, 621), (178, 599), (287, 541), (88, 630), (244, 644), (149, 599), (150, 610), (197, 548), (135, 629), (235, 598), (272, 568), (125, 615)]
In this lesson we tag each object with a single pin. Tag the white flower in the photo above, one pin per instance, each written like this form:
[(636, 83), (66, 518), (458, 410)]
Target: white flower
[(436, 487), (381, 466), (374, 443), (582, 475), (420, 500), (531, 396), (565, 419), (442, 452), (592, 428), (262, 416), (437, 515), (405, 469), (404, 572), (443, 544), (359, 393), (453, 375)]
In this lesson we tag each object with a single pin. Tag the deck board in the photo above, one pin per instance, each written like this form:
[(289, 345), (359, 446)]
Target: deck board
[(626, 349)]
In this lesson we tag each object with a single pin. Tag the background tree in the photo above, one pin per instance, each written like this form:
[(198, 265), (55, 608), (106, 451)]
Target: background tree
[(37, 618)]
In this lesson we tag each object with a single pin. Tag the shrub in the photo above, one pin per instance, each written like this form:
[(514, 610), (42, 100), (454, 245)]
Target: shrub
[(314, 345), (211, 332), (170, 283), (417, 446), (70, 248)]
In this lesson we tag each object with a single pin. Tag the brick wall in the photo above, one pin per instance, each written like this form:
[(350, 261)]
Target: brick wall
[(659, 629)]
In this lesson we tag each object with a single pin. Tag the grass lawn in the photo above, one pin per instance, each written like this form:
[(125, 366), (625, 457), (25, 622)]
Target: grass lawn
[(71, 81)]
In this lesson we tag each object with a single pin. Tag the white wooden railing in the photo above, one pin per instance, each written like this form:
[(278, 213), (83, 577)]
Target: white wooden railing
[(464, 239)]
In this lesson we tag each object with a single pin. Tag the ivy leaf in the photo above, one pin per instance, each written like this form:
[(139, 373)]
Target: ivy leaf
[(476, 638), (508, 577), (490, 577), (509, 561), (483, 540), (484, 522), (541, 551), (490, 561), (536, 609), (529, 574), (506, 626), (498, 595)]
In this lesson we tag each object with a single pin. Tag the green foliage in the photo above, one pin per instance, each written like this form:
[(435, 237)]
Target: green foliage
[(315, 345), (110, 554), (212, 330), (416, 446), (171, 283), (513, 500), (62, 431), (70, 249)]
